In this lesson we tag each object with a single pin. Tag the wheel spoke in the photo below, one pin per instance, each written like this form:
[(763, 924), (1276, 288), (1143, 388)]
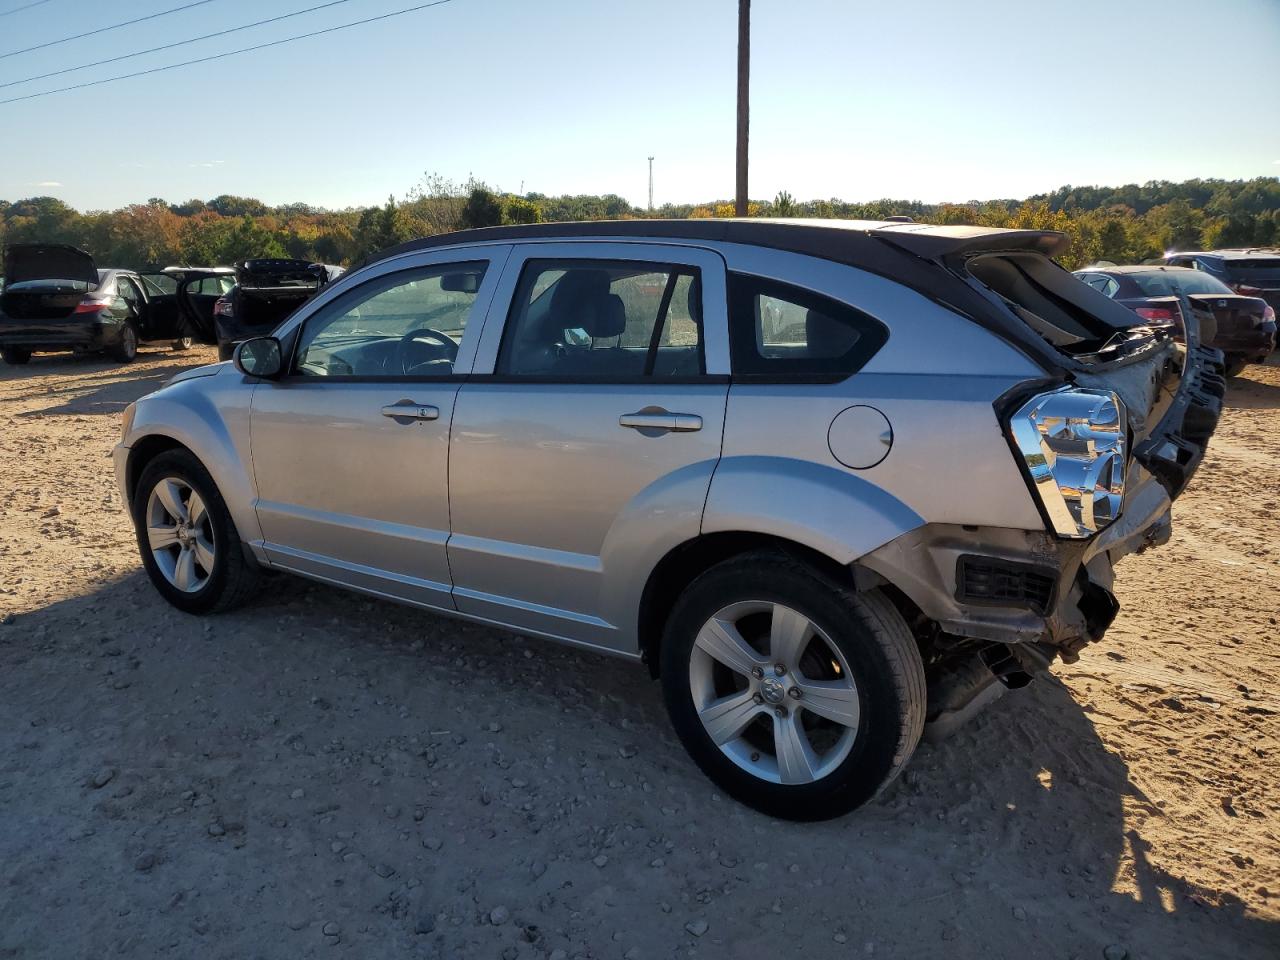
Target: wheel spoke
[(789, 632), (184, 572), (796, 759), (195, 508), (836, 700), (726, 718), (170, 494), (721, 640), (160, 536), (204, 553)]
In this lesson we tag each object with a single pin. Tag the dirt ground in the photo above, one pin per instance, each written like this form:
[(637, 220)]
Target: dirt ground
[(320, 774)]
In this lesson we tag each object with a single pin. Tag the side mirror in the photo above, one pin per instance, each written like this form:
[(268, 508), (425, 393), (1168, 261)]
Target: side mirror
[(460, 282), (259, 357)]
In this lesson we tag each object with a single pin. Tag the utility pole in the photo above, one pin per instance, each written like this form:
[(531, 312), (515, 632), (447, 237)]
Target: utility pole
[(651, 184), (744, 106)]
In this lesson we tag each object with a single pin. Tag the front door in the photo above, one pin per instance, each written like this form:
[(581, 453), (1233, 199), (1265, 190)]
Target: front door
[(583, 445), (350, 448)]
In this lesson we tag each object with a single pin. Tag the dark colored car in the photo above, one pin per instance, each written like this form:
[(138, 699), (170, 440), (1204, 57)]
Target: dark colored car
[(1254, 272), (266, 291), (55, 298), (1245, 325)]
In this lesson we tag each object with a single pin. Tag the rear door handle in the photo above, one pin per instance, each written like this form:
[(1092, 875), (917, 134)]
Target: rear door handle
[(661, 420), (408, 410)]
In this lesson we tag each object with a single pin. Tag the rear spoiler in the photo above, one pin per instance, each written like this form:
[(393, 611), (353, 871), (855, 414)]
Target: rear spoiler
[(944, 243)]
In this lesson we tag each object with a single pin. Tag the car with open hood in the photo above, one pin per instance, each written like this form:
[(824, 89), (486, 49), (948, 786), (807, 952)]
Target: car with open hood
[(1242, 326), (838, 484), (56, 298), (266, 290)]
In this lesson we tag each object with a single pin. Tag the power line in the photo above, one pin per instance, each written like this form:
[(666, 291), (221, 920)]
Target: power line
[(25, 6), (229, 53), (170, 46), (114, 26)]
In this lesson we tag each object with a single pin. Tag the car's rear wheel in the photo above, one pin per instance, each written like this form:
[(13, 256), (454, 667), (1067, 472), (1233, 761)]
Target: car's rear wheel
[(794, 693), (126, 350), (15, 356), (184, 343), (188, 541)]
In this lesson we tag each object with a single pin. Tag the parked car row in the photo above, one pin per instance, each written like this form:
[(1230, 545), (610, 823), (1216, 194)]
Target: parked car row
[(1235, 292), (54, 297)]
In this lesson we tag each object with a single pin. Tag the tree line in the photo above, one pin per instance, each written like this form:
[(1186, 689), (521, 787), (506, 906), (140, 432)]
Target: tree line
[(1126, 224)]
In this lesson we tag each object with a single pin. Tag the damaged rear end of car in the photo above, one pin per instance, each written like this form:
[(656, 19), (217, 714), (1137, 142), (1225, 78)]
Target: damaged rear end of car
[(1105, 440)]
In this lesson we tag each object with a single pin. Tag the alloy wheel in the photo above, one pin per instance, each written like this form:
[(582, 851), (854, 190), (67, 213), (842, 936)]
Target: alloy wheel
[(180, 534), (773, 692)]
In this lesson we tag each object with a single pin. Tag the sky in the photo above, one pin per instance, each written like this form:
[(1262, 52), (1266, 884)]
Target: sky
[(926, 100)]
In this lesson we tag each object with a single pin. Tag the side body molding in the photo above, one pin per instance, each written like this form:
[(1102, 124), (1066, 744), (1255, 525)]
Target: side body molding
[(828, 509)]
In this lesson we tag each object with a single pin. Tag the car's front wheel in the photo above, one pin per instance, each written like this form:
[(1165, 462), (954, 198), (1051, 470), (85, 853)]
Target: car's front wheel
[(188, 541), (15, 356), (796, 694)]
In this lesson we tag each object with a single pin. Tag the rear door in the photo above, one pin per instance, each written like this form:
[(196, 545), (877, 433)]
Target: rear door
[(162, 305), (583, 446), (130, 291), (197, 293)]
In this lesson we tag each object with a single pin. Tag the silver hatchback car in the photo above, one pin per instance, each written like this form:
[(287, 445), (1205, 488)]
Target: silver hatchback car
[(835, 483)]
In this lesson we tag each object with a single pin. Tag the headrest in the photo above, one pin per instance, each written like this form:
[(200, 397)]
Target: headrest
[(582, 299), (609, 320), (695, 301), (828, 337)]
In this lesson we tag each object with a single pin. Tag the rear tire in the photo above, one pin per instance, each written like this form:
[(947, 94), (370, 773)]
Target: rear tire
[(188, 541), (854, 664), (15, 356), (1236, 365), (126, 351), (225, 350), (183, 343)]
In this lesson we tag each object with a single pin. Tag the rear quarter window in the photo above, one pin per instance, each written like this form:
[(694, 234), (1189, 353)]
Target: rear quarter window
[(780, 332)]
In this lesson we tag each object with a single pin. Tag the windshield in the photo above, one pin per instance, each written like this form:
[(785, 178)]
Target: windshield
[(1161, 283), (1254, 268)]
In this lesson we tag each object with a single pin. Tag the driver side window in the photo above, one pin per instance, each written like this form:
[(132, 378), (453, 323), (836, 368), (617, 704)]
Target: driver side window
[(408, 323)]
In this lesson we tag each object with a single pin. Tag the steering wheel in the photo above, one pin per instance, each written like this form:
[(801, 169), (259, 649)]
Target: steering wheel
[(436, 345)]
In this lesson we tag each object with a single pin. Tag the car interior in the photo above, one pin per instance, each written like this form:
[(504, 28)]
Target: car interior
[(613, 320), (403, 324)]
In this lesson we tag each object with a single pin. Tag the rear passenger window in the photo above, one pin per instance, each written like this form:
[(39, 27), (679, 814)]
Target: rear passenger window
[(604, 320), (781, 332)]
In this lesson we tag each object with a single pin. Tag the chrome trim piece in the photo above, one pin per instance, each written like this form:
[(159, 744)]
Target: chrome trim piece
[(1072, 442)]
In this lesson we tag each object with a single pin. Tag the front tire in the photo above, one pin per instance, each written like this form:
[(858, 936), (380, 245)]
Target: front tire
[(188, 541), (126, 350), (795, 694), (15, 356)]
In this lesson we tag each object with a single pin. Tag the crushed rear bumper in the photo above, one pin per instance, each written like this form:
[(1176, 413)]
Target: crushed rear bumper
[(1032, 589)]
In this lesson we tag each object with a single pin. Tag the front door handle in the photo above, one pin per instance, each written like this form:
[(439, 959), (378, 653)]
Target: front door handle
[(408, 410), (661, 420)]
